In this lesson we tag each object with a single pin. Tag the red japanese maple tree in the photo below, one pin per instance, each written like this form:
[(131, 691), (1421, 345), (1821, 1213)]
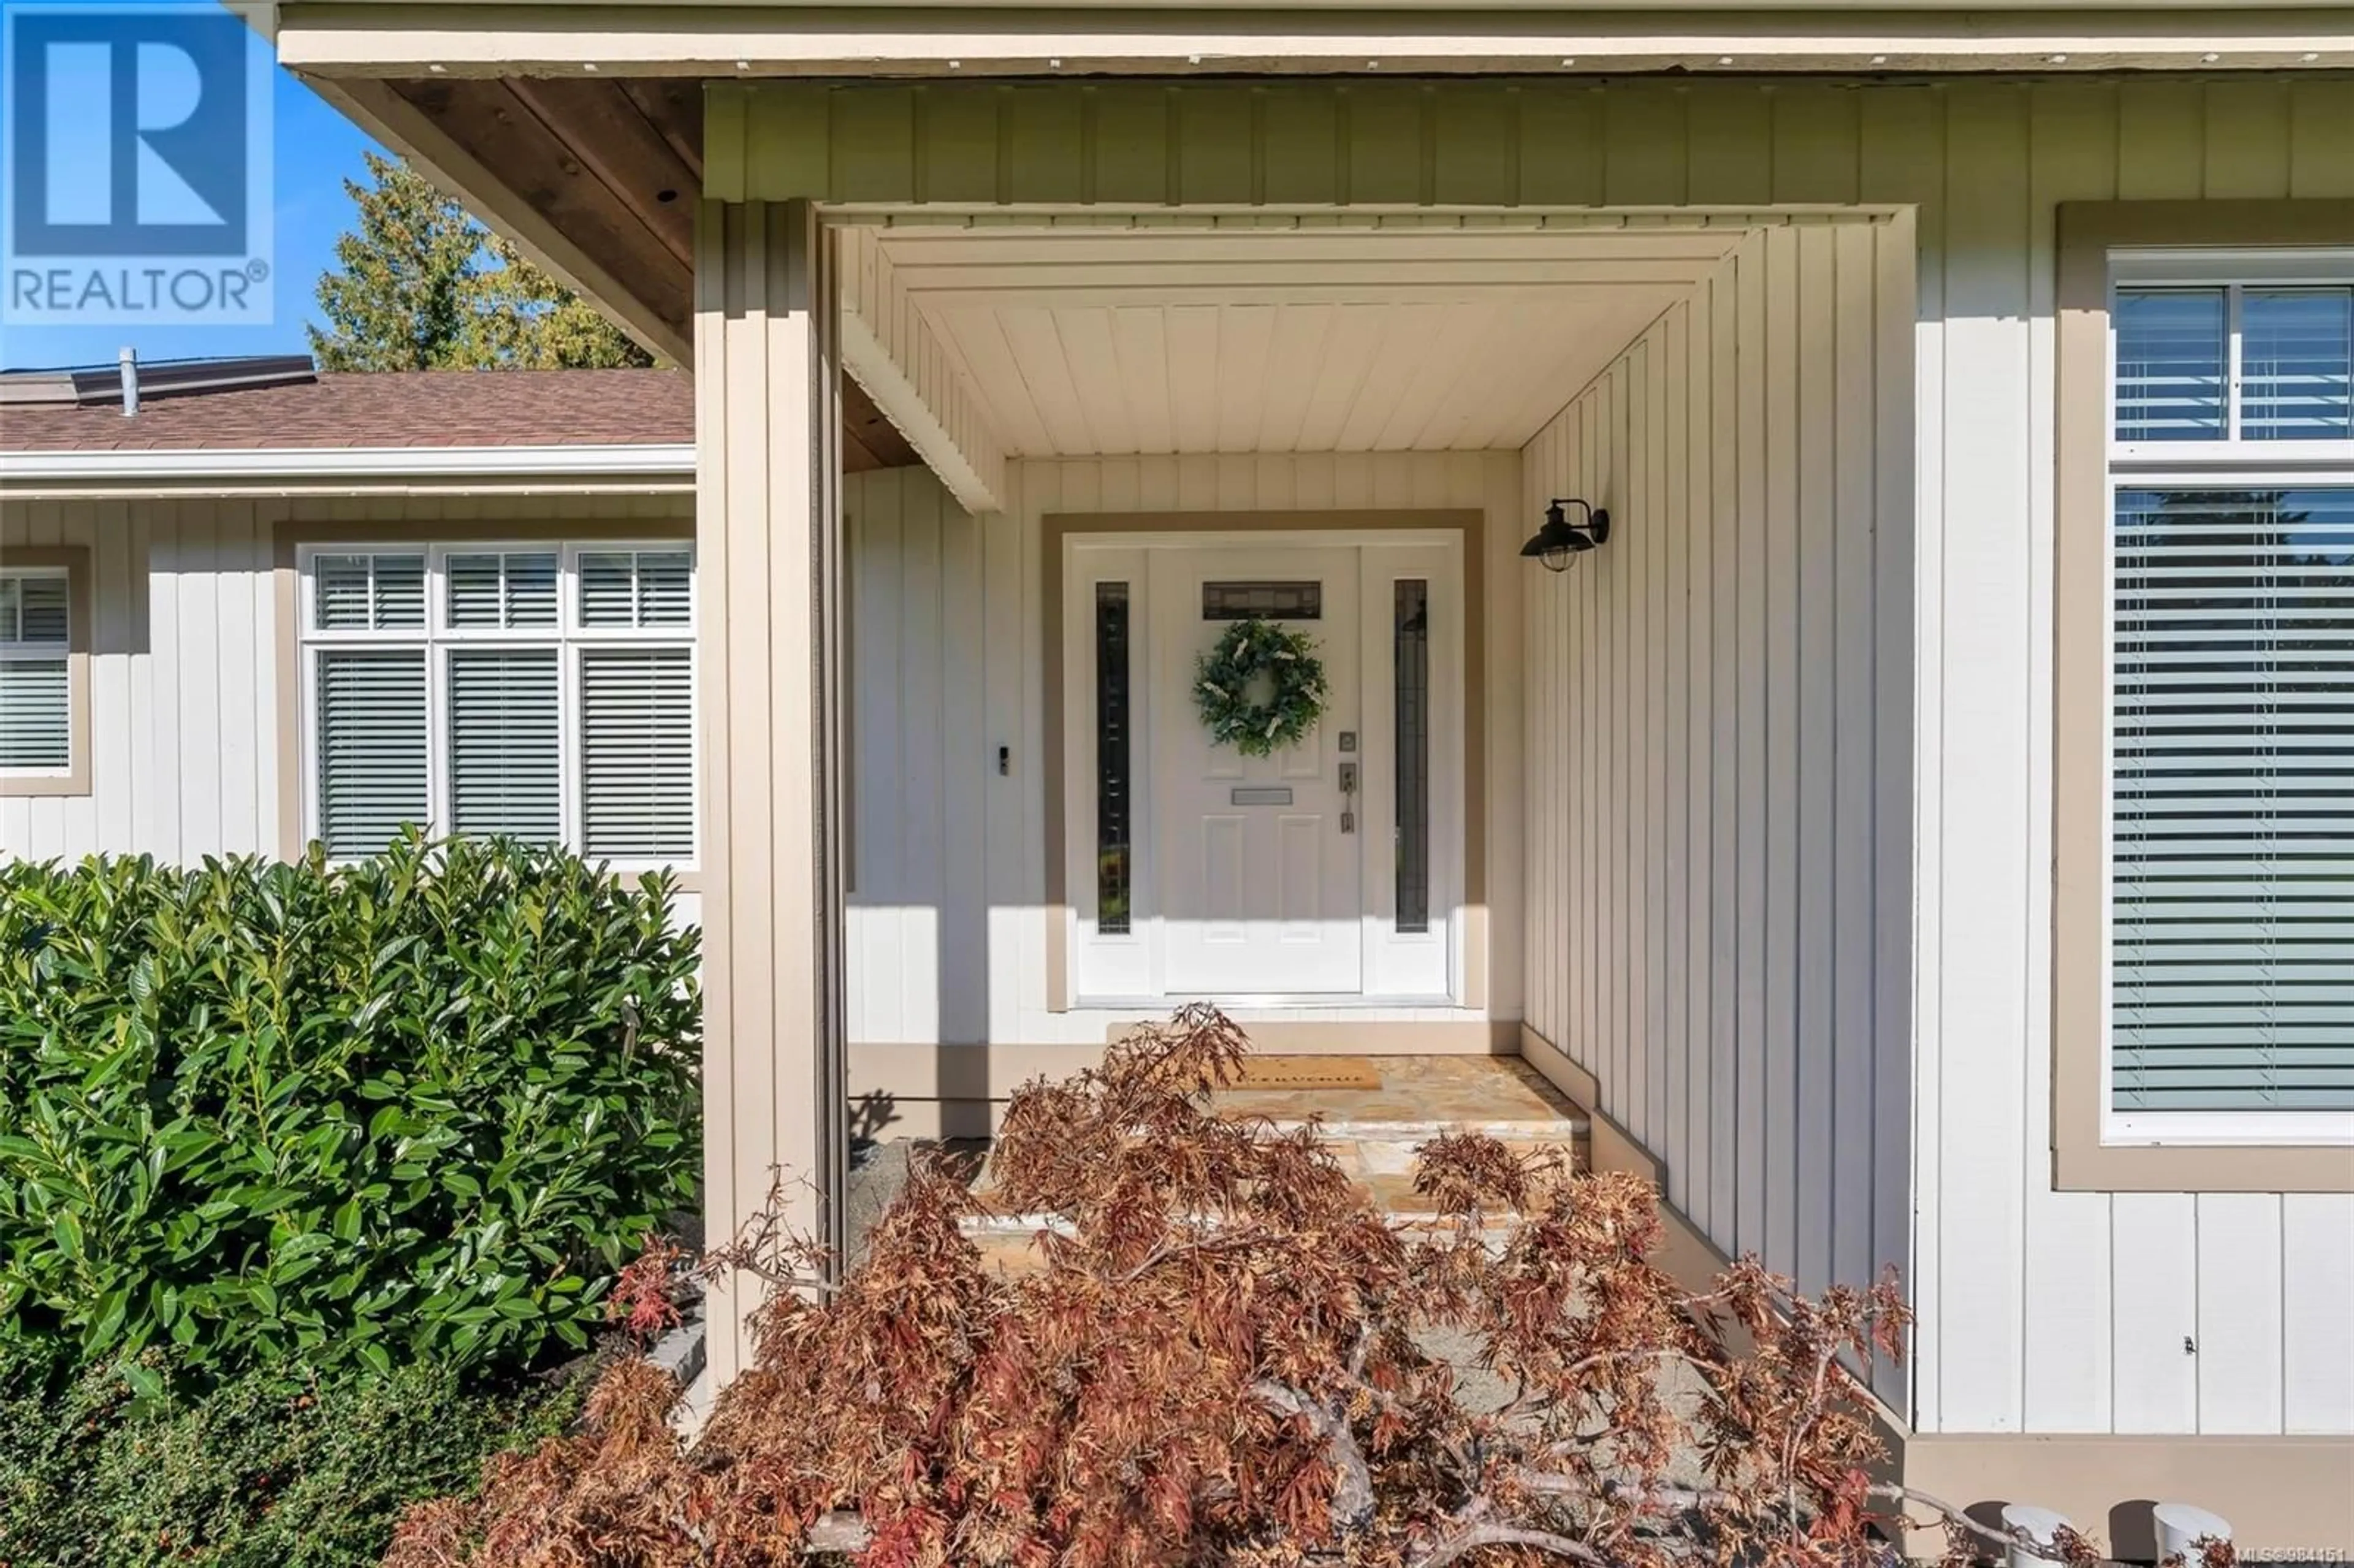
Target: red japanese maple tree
[(1227, 1355)]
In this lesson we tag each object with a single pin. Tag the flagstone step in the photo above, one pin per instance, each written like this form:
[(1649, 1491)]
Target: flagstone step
[(1373, 1132)]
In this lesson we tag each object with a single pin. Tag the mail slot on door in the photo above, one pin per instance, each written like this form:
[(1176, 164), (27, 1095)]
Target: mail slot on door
[(1261, 795)]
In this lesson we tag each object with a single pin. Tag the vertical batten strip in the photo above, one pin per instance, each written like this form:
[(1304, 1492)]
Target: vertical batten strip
[(1818, 927)]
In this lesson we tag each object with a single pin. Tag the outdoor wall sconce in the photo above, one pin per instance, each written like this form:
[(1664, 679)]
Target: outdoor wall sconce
[(1560, 542)]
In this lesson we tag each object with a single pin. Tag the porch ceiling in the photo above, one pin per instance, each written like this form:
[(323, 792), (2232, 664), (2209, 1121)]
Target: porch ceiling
[(1154, 341)]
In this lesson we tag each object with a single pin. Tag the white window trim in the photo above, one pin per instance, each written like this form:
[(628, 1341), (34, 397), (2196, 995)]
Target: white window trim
[(61, 653), (438, 640), (2191, 465)]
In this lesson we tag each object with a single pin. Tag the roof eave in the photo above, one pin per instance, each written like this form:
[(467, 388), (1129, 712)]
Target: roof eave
[(651, 468)]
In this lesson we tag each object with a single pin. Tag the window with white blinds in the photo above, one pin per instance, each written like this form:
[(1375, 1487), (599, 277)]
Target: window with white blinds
[(542, 692), (36, 679), (2230, 754), (2234, 362)]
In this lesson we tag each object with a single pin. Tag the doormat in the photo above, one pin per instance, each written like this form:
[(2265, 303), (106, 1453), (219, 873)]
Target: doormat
[(1308, 1073)]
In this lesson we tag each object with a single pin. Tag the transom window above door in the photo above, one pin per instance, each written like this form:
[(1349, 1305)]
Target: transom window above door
[(1263, 601), (542, 691)]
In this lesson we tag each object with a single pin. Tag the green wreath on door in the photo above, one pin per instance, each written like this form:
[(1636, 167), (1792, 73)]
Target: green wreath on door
[(1252, 650)]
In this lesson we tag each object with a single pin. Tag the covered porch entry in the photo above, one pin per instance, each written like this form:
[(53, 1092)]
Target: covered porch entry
[(1136, 433), (1657, 858), (1535, 808), (1137, 439)]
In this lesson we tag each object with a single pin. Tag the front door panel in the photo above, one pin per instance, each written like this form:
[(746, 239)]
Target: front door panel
[(1260, 857)]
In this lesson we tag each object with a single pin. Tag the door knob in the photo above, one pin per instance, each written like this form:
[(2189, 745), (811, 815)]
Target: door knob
[(1348, 797)]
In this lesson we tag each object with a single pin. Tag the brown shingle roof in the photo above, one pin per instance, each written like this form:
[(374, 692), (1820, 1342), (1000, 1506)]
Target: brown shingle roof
[(394, 409)]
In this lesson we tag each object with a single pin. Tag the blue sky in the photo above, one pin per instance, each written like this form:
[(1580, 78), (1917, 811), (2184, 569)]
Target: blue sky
[(314, 149)]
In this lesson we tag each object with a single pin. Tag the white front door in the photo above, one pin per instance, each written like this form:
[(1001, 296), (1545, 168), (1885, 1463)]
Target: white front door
[(1260, 857), (1331, 870)]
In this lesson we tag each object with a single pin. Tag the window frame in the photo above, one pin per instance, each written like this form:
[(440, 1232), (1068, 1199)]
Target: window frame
[(70, 562), (569, 638), (2102, 247)]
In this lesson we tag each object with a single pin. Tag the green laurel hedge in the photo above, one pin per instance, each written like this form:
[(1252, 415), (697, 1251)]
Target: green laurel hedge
[(421, 1108), (276, 1467)]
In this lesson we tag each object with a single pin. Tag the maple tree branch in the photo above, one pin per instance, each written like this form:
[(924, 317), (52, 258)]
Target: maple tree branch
[(1358, 1352), (1813, 1409), (1398, 1408), (1352, 1483), (1465, 1541), (779, 1277), (1219, 1314), (1889, 1491), (1548, 1483), (1604, 1358), (1173, 1249)]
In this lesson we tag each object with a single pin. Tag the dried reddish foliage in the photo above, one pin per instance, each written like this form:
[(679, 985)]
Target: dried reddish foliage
[(1229, 1357), (642, 1303)]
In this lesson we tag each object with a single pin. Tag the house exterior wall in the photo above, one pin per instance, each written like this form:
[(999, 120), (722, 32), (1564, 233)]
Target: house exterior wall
[(950, 929), (188, 689), (2041, 1310), (1718, 751)]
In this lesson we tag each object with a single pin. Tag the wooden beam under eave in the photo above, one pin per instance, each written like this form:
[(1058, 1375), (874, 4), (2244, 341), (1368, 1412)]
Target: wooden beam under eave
[(493, 121), (673, 107), (602, 128), (596, 159), (656, 315)]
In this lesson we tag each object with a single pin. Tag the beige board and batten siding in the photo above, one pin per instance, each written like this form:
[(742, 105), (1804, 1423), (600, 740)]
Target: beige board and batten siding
[(1718, 751), (2041, 1311), (187, 751), (949, 933)]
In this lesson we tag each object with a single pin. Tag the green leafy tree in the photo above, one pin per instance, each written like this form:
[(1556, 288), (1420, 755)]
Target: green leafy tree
[(422, 286)]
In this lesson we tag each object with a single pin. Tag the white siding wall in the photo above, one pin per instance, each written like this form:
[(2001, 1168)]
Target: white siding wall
[(184, 669), (1711, 698), (2049, 1311), (924, 578), (184, 681), (948, 941), (2041, 1311)]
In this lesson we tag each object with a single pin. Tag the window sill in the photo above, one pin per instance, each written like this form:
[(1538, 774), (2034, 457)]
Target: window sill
[(42, 785), (2091, 1166), (2225, 1130)]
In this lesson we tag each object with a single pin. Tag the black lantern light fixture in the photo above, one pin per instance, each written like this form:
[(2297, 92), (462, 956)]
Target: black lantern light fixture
[(1560, 542)]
